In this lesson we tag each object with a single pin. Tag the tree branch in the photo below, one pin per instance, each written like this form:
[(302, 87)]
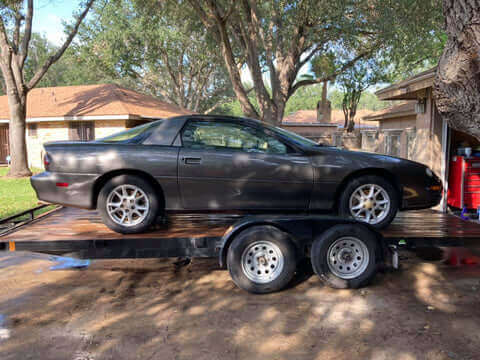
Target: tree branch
[(52, 59), (251, 35), (6, 64), (330, 77), (166, 95), (169, 68), (219, 30), (310, 55), (16, 31), (4, 44), (200, 89), (217, 104), (199, 10), (229, 11), (27, 34)]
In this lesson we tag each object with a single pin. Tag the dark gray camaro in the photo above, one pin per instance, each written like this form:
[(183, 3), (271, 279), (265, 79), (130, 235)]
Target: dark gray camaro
[(220, 163)]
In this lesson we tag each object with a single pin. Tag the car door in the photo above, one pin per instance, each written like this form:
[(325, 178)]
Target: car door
[(231, 165)]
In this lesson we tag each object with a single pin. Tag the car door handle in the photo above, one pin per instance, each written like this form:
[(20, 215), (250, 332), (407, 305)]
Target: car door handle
[(192, 160)]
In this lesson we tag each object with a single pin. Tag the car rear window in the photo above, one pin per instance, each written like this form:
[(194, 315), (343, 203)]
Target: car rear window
[(134, 135)]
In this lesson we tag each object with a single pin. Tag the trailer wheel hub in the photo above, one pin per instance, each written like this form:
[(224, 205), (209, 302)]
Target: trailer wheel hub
[(348, 257), (262, 262)]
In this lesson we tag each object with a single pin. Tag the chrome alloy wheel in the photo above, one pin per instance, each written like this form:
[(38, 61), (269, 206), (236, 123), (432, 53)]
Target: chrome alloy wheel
[(262, 262), (370, 203), (127, 205), (347, 257)]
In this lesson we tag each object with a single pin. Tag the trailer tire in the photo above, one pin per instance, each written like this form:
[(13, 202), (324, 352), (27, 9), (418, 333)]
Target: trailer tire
[(262, 259), (134, 206), (344, 256)]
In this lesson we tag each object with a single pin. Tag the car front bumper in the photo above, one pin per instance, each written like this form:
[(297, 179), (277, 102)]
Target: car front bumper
[(423, 194), (65, 189)]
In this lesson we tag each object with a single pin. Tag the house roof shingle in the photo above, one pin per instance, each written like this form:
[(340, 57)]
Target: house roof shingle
[(101, 100), (309, 117)]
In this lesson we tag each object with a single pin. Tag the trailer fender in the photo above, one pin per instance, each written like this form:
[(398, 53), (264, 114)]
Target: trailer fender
[(301, 231)]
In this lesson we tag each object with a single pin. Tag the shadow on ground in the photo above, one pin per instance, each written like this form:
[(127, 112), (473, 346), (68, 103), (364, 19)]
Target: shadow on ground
[(151, 309)]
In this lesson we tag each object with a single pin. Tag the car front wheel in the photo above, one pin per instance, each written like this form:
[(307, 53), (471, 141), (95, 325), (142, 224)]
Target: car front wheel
[(128, 204), (370, 199)]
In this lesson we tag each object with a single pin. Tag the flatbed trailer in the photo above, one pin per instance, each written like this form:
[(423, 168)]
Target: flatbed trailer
[(81, 234)]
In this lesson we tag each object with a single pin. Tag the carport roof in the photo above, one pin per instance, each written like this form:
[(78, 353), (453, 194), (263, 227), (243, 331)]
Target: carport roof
[(409, 89), (404, 109), (91, 102)]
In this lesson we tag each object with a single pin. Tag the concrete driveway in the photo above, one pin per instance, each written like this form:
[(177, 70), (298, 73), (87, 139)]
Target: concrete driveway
[(150, 309)]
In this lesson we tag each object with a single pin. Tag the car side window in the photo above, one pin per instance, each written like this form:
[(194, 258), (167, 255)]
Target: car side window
[(204, 134)]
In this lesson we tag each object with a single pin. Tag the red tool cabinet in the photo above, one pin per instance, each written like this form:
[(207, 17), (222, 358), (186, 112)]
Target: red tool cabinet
[(464, 182)]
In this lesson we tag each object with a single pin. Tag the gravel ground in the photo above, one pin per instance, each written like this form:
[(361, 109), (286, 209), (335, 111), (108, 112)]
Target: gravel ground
[(150, 309)]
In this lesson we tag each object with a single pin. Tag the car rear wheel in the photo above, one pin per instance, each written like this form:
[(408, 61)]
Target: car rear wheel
[(371, 199), (261, 259), (128, 204), (345, 256)]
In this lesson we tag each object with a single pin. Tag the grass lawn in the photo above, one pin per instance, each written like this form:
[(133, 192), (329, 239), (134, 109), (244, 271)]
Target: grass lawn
[(16, 195)]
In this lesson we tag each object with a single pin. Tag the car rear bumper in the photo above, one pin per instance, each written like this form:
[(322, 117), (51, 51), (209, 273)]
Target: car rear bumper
[(65, 189)]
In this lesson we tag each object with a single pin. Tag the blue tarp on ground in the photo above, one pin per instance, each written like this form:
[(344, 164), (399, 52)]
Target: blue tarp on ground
[(64, 263)]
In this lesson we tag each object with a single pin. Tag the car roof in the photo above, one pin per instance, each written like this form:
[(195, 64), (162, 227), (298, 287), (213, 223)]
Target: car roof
[(214, 117)]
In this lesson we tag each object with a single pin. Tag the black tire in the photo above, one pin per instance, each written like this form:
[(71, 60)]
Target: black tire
[(254, 235), (344, 201), (320, 249), (146, 187)]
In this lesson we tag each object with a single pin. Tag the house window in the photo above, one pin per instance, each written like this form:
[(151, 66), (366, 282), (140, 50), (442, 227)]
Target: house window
[(81, 130), (33, 130), (392, 143)]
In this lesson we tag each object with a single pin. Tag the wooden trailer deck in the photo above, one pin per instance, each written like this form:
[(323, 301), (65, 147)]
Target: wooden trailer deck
[(416, 228)]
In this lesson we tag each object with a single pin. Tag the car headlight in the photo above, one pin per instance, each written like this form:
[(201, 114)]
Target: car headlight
[(429, 172)]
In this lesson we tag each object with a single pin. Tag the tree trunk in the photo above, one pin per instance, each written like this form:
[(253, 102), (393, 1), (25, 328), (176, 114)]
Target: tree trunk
[(234, 74), (12, 60), (18, 144), (271, 111), (457, 84), (285, 76), (278, 113), (324, 95)]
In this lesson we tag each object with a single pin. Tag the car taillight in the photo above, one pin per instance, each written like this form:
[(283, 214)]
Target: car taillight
[(46, 160)]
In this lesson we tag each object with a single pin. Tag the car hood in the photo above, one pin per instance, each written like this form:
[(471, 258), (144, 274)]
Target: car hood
[(365, 159), (66, 143)]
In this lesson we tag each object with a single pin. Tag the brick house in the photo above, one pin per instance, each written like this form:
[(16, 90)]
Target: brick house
[(307, 124), (83, 112), (396, 131), (414, 129)]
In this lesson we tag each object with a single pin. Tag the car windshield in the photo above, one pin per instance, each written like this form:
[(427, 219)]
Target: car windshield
[(294, 137), (135, 134)]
